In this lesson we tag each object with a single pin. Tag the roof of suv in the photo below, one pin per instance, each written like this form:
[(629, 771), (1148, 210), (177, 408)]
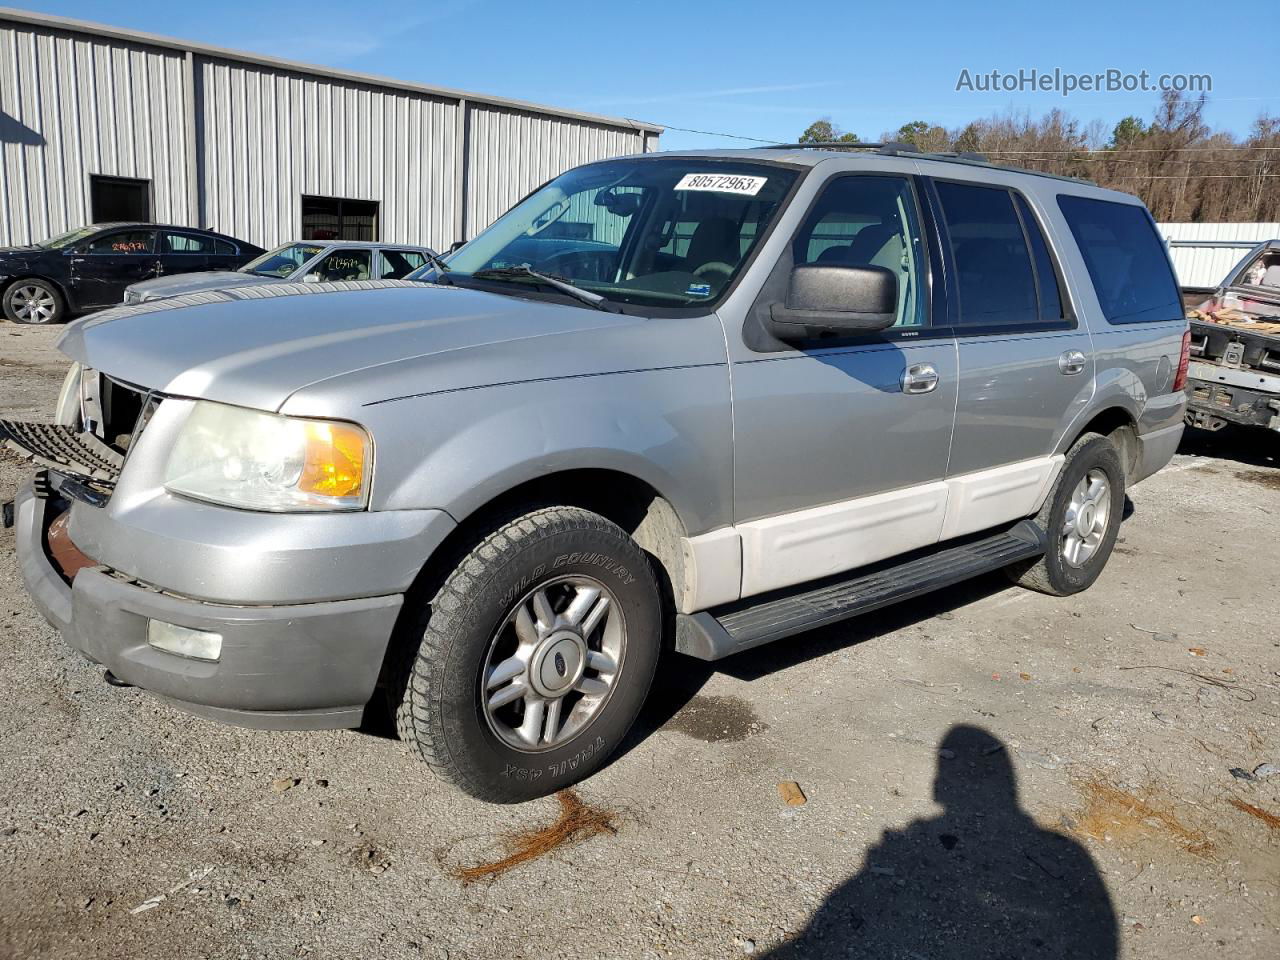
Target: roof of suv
[(872, 154)]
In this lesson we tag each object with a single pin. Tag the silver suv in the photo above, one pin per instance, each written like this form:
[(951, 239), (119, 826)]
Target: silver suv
[(706, 399)]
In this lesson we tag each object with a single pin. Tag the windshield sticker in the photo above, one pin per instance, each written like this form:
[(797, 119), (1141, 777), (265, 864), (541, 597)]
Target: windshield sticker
[(698, 290), (722, 183)]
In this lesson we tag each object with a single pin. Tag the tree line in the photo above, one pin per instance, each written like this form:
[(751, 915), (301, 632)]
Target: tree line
[(1181, 169)]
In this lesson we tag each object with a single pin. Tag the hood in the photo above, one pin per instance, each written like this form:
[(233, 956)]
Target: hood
[(255, 346), (19, 251), (192, 282)]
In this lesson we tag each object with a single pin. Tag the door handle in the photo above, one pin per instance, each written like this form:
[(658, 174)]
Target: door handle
[(1071, 362), (920, 378)]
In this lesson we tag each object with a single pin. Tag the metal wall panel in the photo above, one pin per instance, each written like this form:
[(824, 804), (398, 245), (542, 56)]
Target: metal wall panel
[(510, 152), (1204, 253), (269, 137), (73, 106), (232, 142)]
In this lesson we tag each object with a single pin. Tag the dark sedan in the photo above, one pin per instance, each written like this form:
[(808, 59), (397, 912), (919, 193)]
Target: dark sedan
[(88, 268)]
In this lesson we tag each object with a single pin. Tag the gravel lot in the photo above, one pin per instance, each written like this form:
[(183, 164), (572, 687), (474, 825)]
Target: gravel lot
[(128, 829)]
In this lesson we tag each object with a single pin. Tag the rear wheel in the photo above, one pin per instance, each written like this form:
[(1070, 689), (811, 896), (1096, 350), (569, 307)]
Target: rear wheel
[(534, 658), (33, 301), (1081, 519)]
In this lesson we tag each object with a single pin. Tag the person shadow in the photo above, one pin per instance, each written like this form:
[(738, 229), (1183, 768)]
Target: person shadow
[(981, 881)]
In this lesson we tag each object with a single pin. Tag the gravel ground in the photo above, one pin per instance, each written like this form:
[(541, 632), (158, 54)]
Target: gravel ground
[(989, 773)]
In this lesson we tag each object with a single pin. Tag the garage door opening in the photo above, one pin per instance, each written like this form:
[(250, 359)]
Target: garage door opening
[(115, 199), (334, 218)]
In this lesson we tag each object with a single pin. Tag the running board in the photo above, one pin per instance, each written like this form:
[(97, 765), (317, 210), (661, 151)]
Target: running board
[(712, 634)]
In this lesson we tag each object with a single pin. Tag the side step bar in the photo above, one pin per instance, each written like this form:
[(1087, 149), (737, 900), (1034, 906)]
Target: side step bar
[(712, 634)]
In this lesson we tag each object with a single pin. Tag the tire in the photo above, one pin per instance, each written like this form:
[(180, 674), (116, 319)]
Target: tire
[(1066, 567), (34, 301), (484, 616)]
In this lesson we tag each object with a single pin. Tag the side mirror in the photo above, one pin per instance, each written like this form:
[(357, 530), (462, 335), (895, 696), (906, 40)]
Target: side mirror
[(836, 299), (456, 246)]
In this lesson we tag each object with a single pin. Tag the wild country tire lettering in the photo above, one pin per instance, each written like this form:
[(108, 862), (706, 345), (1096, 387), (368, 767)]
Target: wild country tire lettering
[(529, 774)]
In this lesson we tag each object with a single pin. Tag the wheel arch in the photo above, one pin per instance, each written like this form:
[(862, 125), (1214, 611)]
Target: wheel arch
[(632, 503), (1118, 424), (623, 498)]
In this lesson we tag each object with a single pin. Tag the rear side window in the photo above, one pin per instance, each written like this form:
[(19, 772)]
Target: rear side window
[(397, 263), (186, 243), (223, 249), (994, 274), (1125, 259)]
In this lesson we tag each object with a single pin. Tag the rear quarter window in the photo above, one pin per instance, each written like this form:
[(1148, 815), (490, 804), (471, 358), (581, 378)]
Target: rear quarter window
[(1125, 259)]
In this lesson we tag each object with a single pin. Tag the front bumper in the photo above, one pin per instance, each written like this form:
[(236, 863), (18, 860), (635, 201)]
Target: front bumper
[(296, 666)]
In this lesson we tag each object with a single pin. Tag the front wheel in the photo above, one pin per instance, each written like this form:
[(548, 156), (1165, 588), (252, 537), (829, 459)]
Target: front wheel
[(534, 658), (1081, 519), (33, 301)]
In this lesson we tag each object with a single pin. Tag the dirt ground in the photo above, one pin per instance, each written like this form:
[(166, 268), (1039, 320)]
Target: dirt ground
[(988, 772)]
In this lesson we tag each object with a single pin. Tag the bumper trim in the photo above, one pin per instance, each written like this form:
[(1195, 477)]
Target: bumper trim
[(1158, 448), (335, 718)]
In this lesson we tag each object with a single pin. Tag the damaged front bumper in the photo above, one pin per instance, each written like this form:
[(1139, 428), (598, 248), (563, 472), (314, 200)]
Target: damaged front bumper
[(296, 666)]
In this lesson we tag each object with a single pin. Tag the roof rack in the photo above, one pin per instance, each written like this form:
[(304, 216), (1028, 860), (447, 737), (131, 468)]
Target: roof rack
[(898, 149)]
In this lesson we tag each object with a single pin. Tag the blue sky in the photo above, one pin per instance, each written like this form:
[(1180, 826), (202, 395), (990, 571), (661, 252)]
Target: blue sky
[(761, 70)]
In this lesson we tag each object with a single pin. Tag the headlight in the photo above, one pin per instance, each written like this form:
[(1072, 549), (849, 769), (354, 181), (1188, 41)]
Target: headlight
[(261, 461)]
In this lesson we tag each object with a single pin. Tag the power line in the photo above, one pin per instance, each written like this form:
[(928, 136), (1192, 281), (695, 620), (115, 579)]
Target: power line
[(705, 133)]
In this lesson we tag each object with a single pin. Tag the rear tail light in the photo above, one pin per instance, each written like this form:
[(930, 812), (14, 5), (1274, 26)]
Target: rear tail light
[(1184, 361)]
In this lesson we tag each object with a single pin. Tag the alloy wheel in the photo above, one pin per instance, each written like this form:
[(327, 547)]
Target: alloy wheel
[(553, 663), (33, 304), (1085, 523)]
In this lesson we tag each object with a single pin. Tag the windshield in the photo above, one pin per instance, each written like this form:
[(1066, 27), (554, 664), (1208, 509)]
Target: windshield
[(662, 231), (282, 261), (64, 240)]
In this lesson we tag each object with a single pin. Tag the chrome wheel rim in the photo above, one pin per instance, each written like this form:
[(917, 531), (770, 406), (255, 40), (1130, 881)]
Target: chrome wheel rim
[(33, 304), (553, 663), (1086, 520)]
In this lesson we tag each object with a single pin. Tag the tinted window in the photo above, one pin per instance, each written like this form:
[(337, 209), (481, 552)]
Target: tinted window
[(1050, 294), (223, 249), (186, 243), (993, 264), (1125, 259), (397, 263), (868, 222), (343, 265), (129, 242)]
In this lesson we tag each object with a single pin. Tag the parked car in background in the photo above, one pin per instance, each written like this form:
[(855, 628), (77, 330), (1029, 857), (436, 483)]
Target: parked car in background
[(733, 396), (89, 268), (1234, 376), (308, 261)]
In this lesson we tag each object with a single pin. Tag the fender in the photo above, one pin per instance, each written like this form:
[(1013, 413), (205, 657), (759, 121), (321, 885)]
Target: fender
[(670, 428)]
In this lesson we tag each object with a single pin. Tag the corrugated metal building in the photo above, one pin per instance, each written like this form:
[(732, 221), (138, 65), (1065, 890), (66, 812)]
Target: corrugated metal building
[(97, 122), (1204, 253)]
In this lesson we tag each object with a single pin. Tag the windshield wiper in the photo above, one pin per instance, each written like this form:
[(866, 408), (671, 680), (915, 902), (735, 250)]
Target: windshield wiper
[(557, 283)]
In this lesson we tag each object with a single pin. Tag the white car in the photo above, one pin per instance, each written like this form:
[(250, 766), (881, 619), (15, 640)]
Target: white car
[(309, 261)]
